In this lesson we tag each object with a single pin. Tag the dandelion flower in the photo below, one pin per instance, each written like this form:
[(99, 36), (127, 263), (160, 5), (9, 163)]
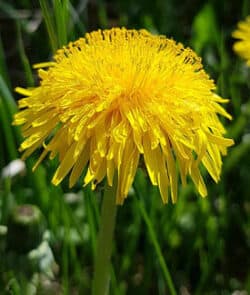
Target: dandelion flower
[(242, 47), (119, 95)]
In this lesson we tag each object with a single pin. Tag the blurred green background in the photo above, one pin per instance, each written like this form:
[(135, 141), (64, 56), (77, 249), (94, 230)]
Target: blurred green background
[(48, 249)]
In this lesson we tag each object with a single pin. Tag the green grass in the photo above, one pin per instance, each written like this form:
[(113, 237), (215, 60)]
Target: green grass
[(202, 245)]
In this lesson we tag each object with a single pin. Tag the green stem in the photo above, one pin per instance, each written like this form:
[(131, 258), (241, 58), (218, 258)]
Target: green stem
[(104, 242)]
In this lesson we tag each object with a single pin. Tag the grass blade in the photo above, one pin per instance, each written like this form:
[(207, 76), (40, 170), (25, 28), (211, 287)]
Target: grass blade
[(155, 242), (23, 57), (9, 138), (61, 9), (49, 24)]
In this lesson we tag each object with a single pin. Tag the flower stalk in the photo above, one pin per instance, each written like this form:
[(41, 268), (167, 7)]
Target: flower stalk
[(101, 279)]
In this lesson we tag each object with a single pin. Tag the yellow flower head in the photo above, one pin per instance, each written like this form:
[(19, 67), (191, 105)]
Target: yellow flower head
[(117, 95), (242, 47)]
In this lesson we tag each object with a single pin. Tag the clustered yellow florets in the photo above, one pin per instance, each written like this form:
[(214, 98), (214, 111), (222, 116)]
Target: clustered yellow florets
[(242, 47), (116, 95)]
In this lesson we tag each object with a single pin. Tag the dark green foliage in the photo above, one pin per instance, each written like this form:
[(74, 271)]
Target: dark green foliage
[(25, 228)]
